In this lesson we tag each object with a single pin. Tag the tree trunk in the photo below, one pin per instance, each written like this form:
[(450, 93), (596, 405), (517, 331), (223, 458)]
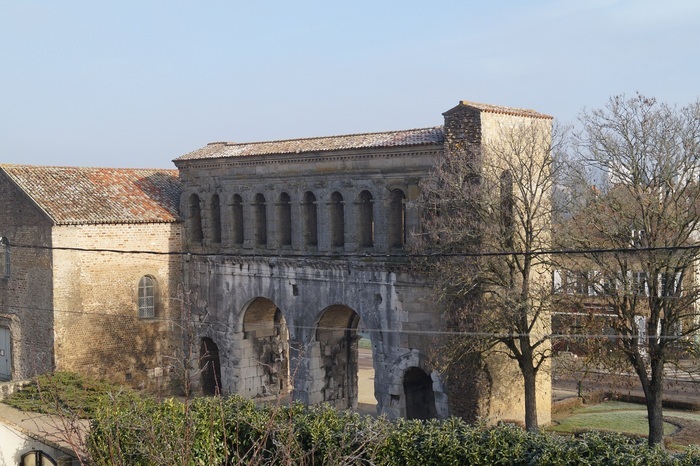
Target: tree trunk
[(528, 371), (654, 400), (530, 404), (655, 415)]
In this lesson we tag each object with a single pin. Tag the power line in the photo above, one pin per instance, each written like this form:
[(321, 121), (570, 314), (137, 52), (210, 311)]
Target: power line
[(463, 333), (406, 255)]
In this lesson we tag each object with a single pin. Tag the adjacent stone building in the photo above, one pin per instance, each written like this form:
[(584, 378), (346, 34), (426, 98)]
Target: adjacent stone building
[(294, 245), (91, 272)]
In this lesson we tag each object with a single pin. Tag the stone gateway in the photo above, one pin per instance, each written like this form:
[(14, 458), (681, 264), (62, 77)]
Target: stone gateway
[(292, 248)]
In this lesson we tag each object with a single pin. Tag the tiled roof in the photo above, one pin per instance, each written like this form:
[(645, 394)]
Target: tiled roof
[(524, 112), (410, 137), (77, 195)]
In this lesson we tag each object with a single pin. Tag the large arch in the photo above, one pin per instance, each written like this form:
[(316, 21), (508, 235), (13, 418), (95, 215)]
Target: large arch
[(266, 335), (336, 334)]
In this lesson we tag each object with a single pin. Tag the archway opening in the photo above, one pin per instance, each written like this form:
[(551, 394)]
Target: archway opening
[(337, 335), (265, 328), (210, 367), (419, 395)]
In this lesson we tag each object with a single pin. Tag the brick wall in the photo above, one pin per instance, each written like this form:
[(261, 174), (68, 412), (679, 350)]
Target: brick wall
[(97, 328)]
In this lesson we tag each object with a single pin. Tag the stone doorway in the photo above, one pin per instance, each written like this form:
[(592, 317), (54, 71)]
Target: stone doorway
[(336, 334), (210, 367), (266, 339), (419, 395)]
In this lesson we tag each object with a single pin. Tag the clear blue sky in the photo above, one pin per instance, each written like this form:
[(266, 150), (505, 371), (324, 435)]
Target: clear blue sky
[(138, 83)]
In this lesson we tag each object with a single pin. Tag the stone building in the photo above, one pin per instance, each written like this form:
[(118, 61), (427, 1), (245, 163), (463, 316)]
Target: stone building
[(292, 246), (70, 297)]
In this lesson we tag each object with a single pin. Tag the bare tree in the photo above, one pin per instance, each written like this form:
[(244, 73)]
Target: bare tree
[(637, 228), (488, 223)]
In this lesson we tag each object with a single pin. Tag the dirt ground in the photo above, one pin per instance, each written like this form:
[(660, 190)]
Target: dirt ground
[(366, 403)]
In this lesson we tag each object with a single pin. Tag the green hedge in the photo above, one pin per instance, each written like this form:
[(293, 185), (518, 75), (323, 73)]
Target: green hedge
[(216, 431)]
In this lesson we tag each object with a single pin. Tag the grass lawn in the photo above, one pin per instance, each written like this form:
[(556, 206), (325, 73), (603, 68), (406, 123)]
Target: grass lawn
[(682, 428)]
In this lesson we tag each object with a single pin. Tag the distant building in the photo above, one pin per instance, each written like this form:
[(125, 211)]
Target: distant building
[(72, 302)]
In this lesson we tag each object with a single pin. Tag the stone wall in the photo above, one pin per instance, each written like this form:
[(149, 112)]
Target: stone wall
[(26, 297), (97, 327)]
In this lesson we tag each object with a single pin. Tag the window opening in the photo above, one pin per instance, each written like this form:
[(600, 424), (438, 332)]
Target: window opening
[(147, 308), (366, 219), (337, 220), (310, 218), (260, 210), (397, 219), (195, 216), (237, 220), (284, 217), (215, 219)]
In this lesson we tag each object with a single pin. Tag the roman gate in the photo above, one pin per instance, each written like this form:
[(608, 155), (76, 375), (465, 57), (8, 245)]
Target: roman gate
[(295, 247)]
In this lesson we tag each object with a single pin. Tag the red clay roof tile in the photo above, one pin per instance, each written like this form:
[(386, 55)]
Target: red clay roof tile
[(78, 195)]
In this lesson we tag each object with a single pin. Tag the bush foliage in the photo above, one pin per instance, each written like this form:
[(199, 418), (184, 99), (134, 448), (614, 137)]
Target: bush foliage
[(234, 431), (65, 393)]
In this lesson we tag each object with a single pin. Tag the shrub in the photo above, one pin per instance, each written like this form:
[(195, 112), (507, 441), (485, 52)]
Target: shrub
[(237, 431)]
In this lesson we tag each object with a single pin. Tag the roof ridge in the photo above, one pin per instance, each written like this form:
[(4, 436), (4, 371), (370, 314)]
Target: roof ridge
[(517, 111), (78, 167), (99, 195), (313, 138)]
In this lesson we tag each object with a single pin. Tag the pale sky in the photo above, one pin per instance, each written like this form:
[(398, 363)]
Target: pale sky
[(137, 83)]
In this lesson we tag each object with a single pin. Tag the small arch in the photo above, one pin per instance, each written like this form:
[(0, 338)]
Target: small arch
[(237, 220), (260, 220), (284, 219), (215, 214), (366, 219), (397, 218), (210, 367), (309, 212), (147, 297), (337, 208), (195, 219), (419, 395)]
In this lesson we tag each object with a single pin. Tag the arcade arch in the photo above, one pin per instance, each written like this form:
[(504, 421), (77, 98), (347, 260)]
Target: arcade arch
[(266, 338), (336, 334)]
